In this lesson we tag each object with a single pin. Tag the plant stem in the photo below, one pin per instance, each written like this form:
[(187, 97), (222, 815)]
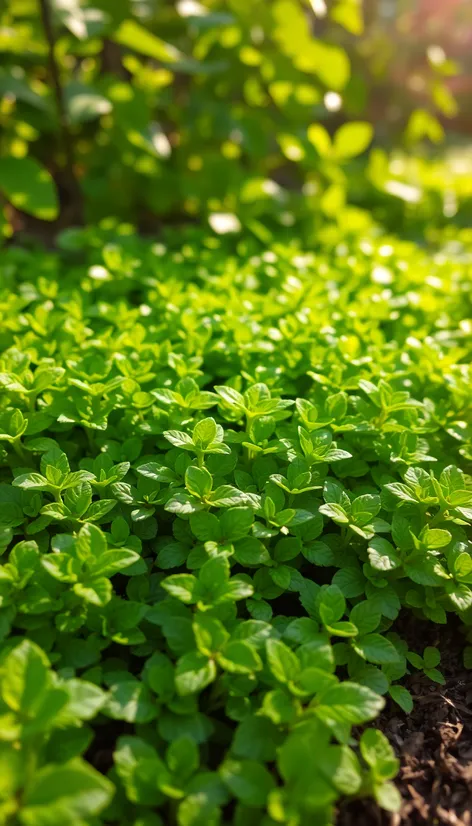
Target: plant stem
[(57, 495), (19, 449), (66, 137), (438, 517)]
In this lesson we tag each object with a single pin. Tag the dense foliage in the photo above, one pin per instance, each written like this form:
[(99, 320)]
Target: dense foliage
[(171, 110), (226, 470), (234, 467)]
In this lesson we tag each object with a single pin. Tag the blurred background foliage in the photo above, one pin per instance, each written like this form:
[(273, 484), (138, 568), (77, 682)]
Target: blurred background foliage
[(267, 114)]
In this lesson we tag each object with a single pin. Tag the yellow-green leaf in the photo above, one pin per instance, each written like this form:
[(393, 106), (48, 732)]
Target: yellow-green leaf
[(136, 37), (352, 139), (29, 187), (320, 139)]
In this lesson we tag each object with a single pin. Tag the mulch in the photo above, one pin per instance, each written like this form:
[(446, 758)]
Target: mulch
[(433, 743)]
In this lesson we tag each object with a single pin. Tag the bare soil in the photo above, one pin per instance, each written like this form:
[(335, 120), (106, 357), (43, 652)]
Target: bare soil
[(433, 743)]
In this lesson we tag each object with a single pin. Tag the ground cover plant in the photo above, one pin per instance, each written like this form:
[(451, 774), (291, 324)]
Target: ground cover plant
[(227, 471)]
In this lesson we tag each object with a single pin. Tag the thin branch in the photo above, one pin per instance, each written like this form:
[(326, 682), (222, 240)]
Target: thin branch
[(65, 133)]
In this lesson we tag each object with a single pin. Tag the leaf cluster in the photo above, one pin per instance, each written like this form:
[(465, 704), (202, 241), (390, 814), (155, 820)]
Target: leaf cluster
[(224, 473)]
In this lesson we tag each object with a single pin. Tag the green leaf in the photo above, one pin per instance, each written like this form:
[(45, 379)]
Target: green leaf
[(29, 187), (254, 631), (350, 581), (435, 675), (181, 586), (257, 737), (283, 663), (461, 597), (320, 139), (239, 657), (300, 765), (227, 496), (214, 573), (85, 699), (112, 561), (434, 538), (382, 555), (210, 634), (341, 767), (31, 481), (402, 697), (193, 673), (279, 707), (18, 87), (329, 62), (12, 425), (365, 616), (365, 508), (378, 754), (159, 675), (178, 438), (248, 780), (352, 139), (335, 512), (153, 470), (50, 712), (181, 503), (376, 649), (427, 571), (205, 526), (198, 481), (332, 605), (98, 591), (422, 124), (431, 657), (134, 36), (236, 523), (350, 16), (231, 397), (342, 629), (198, 809), (205, 432), (313, 680), (84, 104), (349, 703), (91, 542), (182, 757), (66, 794), (388, 797), (131, 701), (138, 767), (25, 678)]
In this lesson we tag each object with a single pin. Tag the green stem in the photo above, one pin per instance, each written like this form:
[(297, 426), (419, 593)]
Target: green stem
[(90, 441), (57, 495), (438, 517), (19, 449), (31, 760), (250, 454), (381, 418)]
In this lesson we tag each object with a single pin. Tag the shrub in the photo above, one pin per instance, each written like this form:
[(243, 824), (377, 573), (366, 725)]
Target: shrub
[(263, 109), (225, 471)]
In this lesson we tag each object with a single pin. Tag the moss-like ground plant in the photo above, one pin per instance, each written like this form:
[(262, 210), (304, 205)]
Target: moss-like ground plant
[(225, 471)]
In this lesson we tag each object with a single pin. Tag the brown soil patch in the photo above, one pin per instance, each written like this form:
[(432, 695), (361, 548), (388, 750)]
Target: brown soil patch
[(434, 744)]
